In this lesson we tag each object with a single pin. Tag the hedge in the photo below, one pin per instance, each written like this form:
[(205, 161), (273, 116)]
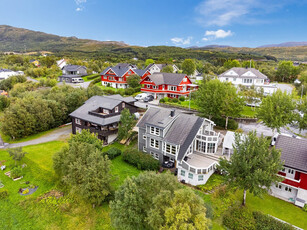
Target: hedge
[(140, 160), (265, 222), (93, 77), (232, 124), (113, 153), (239, 218)]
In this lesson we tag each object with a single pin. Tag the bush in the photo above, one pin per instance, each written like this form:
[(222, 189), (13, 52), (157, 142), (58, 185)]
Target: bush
[(26, 191), (181, 98), (95, 81), (16, 172), (167, 99), (141, 160), (232, 124), (305, 208), (3, 194), (175, 100), (113, 152), (162, 100), (265, 222), (93, 77), (239, 218)]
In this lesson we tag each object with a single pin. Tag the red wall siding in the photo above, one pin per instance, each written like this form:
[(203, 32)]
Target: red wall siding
[(303, 183)]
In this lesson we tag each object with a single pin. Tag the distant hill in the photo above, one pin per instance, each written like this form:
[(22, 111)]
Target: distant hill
[(18, 39), (208, 47), (285, 44)]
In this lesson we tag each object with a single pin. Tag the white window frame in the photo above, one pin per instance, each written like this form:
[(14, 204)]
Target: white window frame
[(154, 143), (154, 131), (154, 87), (171, 149), (190, 176), (200, 177), (182, 172), (116, 109), (144, 137), (105, 111), (77, 121), (172, 88), (123, 105), (156, 156)]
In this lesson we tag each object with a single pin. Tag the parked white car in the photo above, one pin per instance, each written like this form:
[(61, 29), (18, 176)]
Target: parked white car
[(141, 96)]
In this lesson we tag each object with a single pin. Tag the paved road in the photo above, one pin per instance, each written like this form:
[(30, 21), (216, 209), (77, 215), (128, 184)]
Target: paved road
[(58, 134), (285, 87)]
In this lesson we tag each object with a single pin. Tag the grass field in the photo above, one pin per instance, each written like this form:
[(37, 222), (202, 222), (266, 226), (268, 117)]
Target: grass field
[(85, 78)]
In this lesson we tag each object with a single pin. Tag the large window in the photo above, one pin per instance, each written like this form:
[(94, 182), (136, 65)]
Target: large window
[(200, 177), (155, 155), (247, 80), (154, 143), (172, 88), (78, 121), (211, 148), (155, 131), (182, 172), (170, 149), (190, 176)]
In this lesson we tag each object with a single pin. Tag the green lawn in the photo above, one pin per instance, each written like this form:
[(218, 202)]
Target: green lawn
[(249, 112), (7, 139)]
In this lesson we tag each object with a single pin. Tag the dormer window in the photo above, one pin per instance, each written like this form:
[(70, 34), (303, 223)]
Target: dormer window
[(116, 109), (123, 105)]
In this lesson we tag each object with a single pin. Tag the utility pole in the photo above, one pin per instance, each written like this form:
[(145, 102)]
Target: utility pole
[(190, 100)]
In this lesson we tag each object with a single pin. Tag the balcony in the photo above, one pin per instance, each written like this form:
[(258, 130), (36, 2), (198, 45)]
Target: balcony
[(103, 131)]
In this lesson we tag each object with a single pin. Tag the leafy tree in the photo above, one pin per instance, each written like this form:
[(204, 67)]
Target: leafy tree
[(4, 102), (188, 66), (93, 91), (83, 168), (253, 166), (133, 81), (286, 71), (301, 118), (141, 198), (232, 103), (149, 61), (168, 69), (231, 63), (210, 97), (248, 64), (277, 110), (86, 137), (126, 123), (17, 154), (181, 210)]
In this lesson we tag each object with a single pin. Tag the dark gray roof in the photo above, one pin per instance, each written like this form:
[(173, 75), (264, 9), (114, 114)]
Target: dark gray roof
[(159, 117), (240, 71), (183, 132), (95, 102), (73, 67), (140, 72), (293, 152), (183, 128), (122, 68), (167, 78)]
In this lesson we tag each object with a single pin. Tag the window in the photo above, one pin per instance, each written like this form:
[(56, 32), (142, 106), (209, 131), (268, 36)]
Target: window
[(211, 148), (144, 137), (247, 80), (105, 111), (185, 79), (200, 177), (155, 155), (283, 169), (105, 77), (116, 109), (154, 87), (182, 172), (78, 121), (144, 149), (170, 149), (154, 143), (190, 176), (226, 78), (291, 171), (78, 130), (154, 131), (234, 79), (123, 105), (172, 88)]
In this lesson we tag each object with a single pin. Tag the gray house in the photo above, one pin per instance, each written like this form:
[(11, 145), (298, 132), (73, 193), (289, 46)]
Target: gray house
[(74, 70), (101, 114), (188, 141)]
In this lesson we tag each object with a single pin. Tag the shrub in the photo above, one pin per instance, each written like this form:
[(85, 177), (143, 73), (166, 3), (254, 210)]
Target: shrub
[(162, 100), (265, 222), (3, 194), (26, 191), (305, 208), (181, 98), (175, 100), (129, 91), (222, 199), (232, 124), (140, 160), (16, 172), (113, 152), (167, 99), (239, 218)]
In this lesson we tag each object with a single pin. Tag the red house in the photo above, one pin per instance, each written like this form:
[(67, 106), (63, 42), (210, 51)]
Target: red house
[(293, 188), (171, 85), (116, 76)]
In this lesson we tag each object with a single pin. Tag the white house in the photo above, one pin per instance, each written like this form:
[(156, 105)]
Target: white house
[(248, 77), (156, 68), (6, 73), (61, 63)]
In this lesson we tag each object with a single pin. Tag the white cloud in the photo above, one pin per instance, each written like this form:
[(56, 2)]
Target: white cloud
[(219, 33), (78, 9), (205, 39), (226, 12), (80, 4), (182, 41)]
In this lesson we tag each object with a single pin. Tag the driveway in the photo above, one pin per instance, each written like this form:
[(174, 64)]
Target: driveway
[(285, 87), (77, 85), (58, 134)]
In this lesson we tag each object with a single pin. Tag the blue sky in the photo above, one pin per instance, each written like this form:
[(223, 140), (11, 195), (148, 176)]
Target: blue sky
[(185, 23)]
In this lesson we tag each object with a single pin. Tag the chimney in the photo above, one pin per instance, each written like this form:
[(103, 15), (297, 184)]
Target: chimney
[(172, 113)]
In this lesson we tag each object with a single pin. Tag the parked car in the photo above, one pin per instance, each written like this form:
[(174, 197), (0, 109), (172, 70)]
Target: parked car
[(168, 164), (149, 98), (140, 96)]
